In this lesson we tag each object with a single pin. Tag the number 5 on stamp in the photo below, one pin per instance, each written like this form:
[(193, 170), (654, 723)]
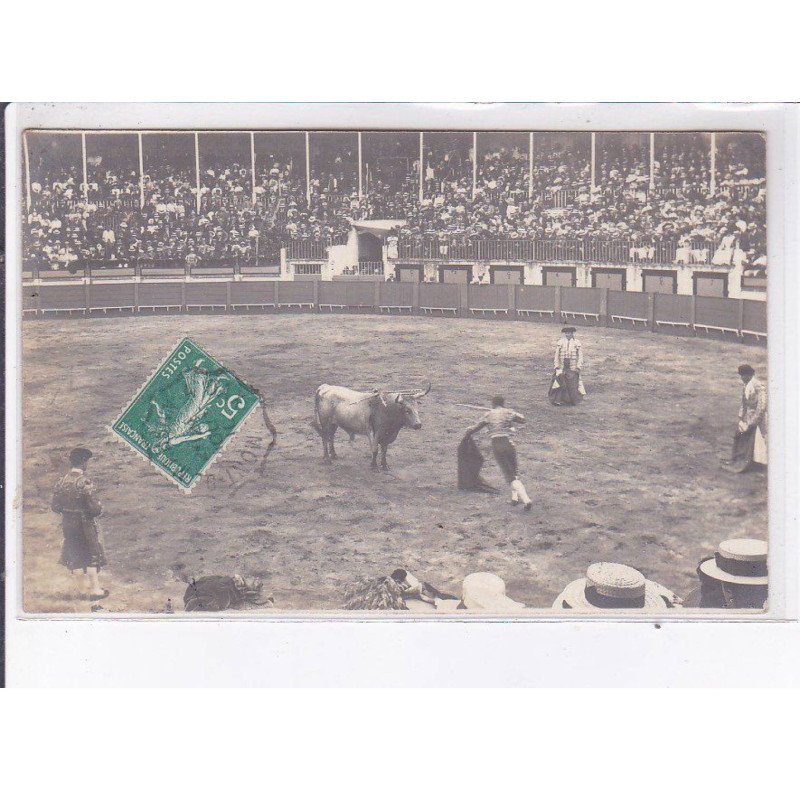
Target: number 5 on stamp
[(185, 414)]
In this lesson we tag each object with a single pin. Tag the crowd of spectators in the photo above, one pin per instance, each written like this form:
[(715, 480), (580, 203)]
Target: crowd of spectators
[(725, 226), (117, 219)]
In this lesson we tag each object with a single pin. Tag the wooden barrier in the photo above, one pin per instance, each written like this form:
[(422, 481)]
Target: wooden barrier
[(347, 296), (70, 298), (716, 314), (443, 298), (488, 300), (360, 295), (538, 302), (161, 296), (396, 297), (252, 294), (332, 296), (754, 319), (30, 299), (665, 313), (674, 311), (581, 304), (202, 295), (628, 308), (297, 295), (107, 297)]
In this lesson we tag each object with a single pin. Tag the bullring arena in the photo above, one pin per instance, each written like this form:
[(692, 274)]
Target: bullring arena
[(631, 475), (385, 260)]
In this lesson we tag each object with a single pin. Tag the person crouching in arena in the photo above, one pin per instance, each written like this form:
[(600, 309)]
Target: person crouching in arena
[(566, 387), (500, 422), (82, 552)]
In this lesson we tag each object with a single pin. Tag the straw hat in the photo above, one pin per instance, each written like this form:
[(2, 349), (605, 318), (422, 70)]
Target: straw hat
[(742, 561), (615, 586), (485, 591)]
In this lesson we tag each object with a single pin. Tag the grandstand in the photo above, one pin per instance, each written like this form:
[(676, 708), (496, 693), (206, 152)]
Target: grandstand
[(666, 213)]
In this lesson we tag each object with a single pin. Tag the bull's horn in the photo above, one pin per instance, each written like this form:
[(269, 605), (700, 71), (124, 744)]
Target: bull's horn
[(417, 395)]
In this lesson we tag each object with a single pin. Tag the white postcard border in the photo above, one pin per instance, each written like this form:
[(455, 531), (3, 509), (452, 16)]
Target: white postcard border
[(249, 651)]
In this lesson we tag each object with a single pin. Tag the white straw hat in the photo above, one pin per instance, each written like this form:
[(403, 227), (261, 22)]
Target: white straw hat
[(742, 561), (485, 591), (613, 586)]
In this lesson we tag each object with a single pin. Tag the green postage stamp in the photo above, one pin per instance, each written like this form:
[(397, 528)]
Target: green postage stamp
[(186, 413)]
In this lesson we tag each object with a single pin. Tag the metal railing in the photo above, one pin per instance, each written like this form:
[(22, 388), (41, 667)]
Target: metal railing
[(62, 204), (602, 251), (307, 249), (308, 269), (370, 268)]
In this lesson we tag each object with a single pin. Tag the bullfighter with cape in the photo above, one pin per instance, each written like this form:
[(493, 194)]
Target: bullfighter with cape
[(470, 462), (750, 440), (82, 552), (566, 387), (500, 422)]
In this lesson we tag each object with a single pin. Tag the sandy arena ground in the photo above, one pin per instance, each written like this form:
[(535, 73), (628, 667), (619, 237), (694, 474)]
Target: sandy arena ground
[(631, 475)]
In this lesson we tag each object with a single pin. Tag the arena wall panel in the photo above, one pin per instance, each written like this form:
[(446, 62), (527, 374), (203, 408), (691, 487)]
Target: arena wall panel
[(30, 298), (160, 294), (439, 295), (754, 316), (396, 294), (63, 297), (112, 295), (581, 301), (360, 293), (296, 291), (536, 298), (491, 297), (630, 305), (332, 293), (252, 293), (718, 312), (207, 293), (673, 308)]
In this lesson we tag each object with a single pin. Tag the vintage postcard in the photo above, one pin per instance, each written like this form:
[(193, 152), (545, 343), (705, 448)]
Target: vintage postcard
[(396, 370)]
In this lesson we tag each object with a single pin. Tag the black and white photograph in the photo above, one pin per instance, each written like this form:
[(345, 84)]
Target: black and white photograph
[(395, 371)]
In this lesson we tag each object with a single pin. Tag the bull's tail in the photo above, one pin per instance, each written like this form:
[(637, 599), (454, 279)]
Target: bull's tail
[(316, 423)]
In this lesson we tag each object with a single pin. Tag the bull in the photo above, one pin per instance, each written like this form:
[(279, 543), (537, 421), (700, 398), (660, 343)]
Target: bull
[(378, 415)]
